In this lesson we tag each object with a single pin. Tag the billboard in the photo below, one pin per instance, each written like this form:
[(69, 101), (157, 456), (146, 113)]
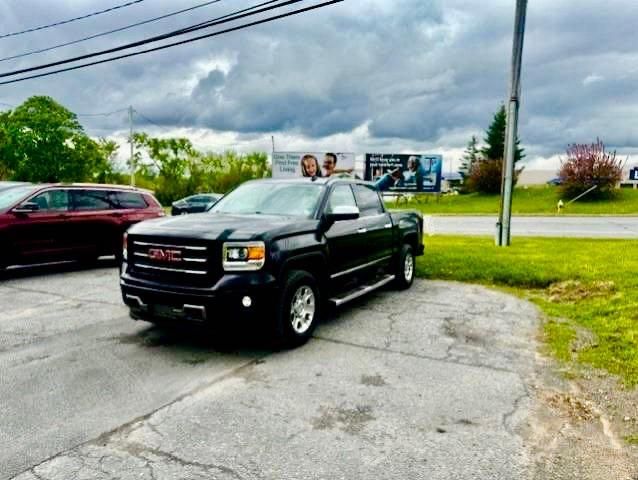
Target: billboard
[(409, 173), (309, 164)]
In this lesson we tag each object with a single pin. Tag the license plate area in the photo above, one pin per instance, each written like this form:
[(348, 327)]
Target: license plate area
[(191, 313)]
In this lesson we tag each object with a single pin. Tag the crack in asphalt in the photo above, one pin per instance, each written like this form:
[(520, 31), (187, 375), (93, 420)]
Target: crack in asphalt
[(60, 295), (138, 450), (517, 405), (131, 426), (413, 355)]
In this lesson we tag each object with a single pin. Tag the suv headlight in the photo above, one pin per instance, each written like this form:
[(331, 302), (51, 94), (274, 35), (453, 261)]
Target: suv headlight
[(242, 256)]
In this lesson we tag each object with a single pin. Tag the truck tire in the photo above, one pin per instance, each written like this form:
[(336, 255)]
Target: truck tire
[(298, 310), (404, 271)]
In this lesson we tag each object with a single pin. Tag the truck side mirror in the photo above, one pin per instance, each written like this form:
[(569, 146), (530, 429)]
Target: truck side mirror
[(339, 214)]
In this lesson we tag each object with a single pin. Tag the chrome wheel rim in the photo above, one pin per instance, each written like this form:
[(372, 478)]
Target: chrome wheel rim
[(302, 309), (408, 267)]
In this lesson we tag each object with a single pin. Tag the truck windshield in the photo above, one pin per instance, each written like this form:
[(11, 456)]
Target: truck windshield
[(286, 199), (11, 195)]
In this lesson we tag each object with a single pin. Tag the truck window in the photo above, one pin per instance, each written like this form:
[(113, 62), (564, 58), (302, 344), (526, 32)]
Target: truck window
[(271, 198), (341, 196), (368, 200)]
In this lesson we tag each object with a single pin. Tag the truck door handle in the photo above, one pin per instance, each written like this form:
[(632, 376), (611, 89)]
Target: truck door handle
[(362, 230), (387, 225)]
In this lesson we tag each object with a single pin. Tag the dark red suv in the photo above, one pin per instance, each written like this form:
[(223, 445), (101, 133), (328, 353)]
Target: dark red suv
[(43, 223)]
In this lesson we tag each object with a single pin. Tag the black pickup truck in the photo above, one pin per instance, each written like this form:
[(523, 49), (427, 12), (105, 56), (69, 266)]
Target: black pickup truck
[(276, 251)]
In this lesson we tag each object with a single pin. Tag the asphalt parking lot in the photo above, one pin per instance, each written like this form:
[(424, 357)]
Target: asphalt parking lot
[(428, 383)]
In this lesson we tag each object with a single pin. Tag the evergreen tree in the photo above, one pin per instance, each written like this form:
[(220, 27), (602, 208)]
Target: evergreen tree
[(495, 140), (470, 157)]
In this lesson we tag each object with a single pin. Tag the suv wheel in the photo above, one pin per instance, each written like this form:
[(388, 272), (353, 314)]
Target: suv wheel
[(298, 310), (405, 268)]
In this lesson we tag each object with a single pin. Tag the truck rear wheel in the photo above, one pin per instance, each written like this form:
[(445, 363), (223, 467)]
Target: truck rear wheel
[(405, 267), (298, 310)]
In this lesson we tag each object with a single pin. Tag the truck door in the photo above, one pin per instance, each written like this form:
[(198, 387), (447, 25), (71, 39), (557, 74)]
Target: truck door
[(345, 238), (379, 240)]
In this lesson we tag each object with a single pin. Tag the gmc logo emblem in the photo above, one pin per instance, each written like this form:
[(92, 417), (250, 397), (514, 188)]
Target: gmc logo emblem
[(161, 255)]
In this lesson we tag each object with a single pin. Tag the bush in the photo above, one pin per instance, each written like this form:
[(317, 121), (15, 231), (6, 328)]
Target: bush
[(587, 166), (486, 176)]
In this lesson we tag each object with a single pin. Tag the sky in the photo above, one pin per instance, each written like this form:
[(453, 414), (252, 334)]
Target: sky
[(392, 76)]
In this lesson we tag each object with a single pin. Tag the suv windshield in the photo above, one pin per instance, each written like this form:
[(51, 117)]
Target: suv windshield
[(11, 195), (269, 198)]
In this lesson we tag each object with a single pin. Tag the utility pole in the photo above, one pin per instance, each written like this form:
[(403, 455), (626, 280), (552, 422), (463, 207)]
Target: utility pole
[(130, 139), (505, 212)]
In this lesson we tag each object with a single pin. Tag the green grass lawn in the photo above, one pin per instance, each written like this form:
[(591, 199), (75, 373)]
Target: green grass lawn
[(587, 288), (527, 201)]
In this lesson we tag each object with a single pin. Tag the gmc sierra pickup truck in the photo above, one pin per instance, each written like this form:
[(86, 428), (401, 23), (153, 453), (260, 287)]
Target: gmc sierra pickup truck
[(278, 251)]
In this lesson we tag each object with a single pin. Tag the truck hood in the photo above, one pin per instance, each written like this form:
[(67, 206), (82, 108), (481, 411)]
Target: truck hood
[(220, 226)]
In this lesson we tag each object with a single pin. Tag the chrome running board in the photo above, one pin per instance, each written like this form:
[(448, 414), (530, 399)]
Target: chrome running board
[(360, 291)]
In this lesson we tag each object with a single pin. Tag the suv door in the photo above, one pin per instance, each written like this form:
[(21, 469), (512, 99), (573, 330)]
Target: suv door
[(96, 220), (345, 241), (43, 234), (377, 222)]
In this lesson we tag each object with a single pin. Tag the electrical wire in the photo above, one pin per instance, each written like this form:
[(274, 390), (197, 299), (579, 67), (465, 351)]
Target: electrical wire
[(63, 22), (137, 112), (214, 34), (106, 114), (210, 23), (102, 34)]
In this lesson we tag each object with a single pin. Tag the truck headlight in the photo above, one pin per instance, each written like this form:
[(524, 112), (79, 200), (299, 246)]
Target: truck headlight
[(242, 256)]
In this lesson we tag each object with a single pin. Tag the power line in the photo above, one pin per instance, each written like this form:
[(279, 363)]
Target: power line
[(93, 14), (214, 34), (146, 118), (105, 114), (210, 23), (97, 35)]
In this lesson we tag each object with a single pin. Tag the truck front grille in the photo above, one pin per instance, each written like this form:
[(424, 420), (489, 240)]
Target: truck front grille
[(184, 262)]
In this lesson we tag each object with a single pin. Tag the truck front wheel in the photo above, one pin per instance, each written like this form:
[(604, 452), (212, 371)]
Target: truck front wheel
[(298, 310)]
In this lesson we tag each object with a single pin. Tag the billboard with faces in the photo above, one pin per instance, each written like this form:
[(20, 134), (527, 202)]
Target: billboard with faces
[(309, 164), (404, 173)]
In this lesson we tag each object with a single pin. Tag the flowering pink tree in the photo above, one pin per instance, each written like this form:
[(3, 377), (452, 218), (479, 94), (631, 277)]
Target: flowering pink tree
[(589, 165)]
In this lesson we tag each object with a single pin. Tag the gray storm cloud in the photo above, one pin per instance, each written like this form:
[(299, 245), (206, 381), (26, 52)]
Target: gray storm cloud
[(410, 69)]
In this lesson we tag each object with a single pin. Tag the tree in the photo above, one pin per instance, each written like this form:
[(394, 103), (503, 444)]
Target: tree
[(5, 147), (485, 174), (172, 160), (587, 166), (495, 138), (470, 157), (224, 172), (41, 141), (104, 171)]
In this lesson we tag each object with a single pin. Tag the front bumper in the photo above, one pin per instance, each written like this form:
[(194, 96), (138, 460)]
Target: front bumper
[(225, 302)]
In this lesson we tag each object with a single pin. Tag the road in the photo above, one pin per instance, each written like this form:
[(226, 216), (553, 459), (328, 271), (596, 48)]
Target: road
[(587, 227), (428, 383)]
